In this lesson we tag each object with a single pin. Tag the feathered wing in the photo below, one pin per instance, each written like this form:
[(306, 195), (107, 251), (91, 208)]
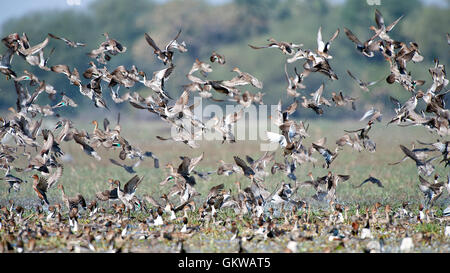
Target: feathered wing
[(410, 154), (151, 42), (241, 163), (352, 36), (116, 163), (194, 162), (274, 137), (183, 168), (131, 185), (379, 19), (103, 195), (257, 47), (56, 175)]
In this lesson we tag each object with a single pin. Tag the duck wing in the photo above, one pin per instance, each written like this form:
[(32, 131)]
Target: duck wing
[(131, 185), (151, 43)]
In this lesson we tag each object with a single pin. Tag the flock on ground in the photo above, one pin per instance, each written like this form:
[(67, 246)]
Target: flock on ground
[(42, 148)]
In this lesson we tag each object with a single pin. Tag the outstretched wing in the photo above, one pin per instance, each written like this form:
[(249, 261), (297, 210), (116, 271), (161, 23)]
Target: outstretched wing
[(151, 42), (257, 47), (241, 163), (351, 36), (410, 154), (56, 175), (115, 162), (274, 137), (131, 185), (183, 168), (379, 19), (194, 162)]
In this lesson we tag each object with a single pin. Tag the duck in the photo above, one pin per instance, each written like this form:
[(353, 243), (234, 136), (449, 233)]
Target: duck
[(128, 168), (93, 208), (72, 202), (288, 168), (312, 105), (441, 146), (68, 42), (295, 82), (368, 47), (185, 169), (203, 67), (421, 153), (247, 170), (318, 98), (73, 219), (11, 41), (423, 166), (286, 48), (216, 57), (431, 191), (85, 146), (324, 48), (14, 181), (51, 145), (282, 194), (123, 77), (216, 195), (328, 155), (166, 55), (363, 85), (319, 64), (65, 101), (39, 60), (399, 74), (341, 100), (363, 136), (40, 186), (126, 195), (224, 87), (227, 168), (402, 111), (316, 183), (350, 140), (372, 180), (243, 78), (26, 50), (381, 28), (159, 220), (5, 64), (407, 53), (438, 75), (110, 194), (156, 83), (110, 46), (73, 76), (225, 125), (332, 185), (373, 114)]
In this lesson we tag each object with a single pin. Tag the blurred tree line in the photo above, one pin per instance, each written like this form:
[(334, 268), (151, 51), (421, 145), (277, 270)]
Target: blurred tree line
[(227, 28)]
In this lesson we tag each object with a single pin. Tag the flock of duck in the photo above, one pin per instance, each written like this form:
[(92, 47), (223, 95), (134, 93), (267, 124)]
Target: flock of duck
[(256, 209)]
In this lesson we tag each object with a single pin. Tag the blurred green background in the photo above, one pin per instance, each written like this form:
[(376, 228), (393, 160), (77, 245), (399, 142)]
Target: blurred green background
[(227, 27)]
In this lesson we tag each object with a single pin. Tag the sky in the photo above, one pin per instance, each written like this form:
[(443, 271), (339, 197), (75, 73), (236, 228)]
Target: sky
[(13, 9)]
